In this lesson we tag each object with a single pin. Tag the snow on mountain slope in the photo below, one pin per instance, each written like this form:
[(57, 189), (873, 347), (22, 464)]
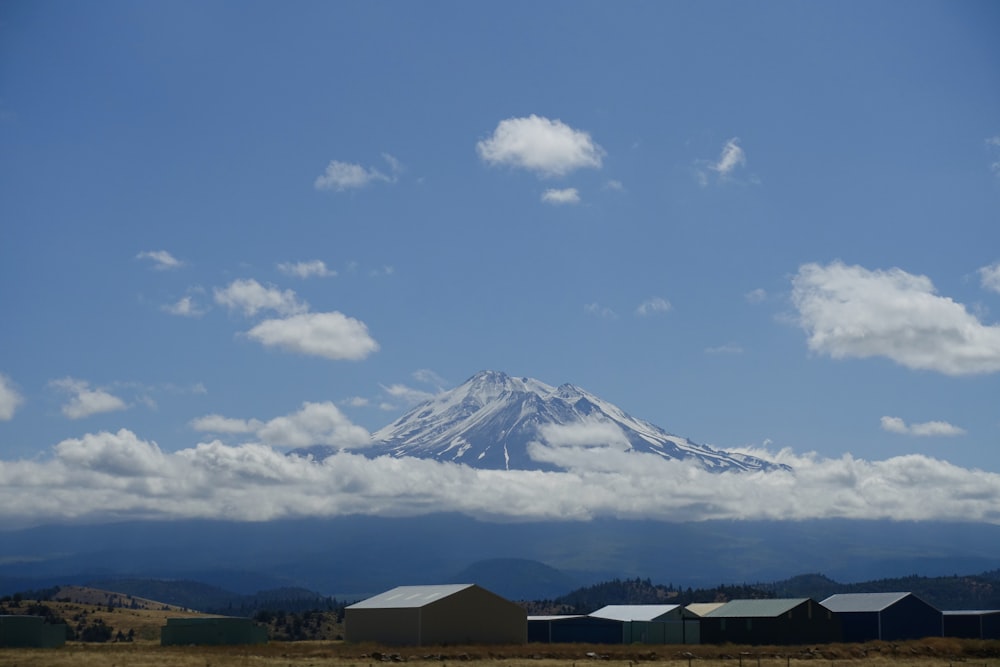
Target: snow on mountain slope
[(492, 420)]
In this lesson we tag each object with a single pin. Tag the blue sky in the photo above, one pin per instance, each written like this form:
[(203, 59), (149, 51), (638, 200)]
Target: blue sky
[(770, 226)]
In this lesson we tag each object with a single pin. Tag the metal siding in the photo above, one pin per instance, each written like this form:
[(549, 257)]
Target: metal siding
[(211, 632), (474, 616), (30, 632), (384, 626), (910, 618)]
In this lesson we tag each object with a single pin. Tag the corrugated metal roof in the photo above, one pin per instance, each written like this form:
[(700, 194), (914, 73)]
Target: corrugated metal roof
[(703, 608), (971, 612), (848, 602), (756, 608), (634, 612), (555, 617), (408, 597)]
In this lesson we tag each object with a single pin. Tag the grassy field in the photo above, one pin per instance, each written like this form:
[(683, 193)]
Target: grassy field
[(926, 653)]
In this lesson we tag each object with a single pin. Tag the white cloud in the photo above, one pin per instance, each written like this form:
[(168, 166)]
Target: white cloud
[(547, 147), (219, 424), (994, 142), (427, 376), (357, 401), (341, 176), (654, 305), (119, 475), (314, 268), (162, 260), (10, 398), (989, 277), (732, 156), (251, 297), (331, 335), (615, 185), (184, 307), (592, 433), (755, 296), (408, 395), (728, 348), (849, 311), (927, 429), (314, 424), (564, 196), (85, 401), (597, 310)]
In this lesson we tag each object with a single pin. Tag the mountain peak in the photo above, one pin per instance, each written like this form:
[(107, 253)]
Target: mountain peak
[(494, 420)]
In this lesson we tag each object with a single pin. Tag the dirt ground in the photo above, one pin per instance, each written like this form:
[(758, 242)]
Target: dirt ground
[(935, 652)]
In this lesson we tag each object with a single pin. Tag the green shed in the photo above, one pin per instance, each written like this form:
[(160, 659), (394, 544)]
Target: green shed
[(212, 631), (30, 632)]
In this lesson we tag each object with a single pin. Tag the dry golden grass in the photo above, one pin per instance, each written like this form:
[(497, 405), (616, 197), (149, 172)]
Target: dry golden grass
[(926, 653)]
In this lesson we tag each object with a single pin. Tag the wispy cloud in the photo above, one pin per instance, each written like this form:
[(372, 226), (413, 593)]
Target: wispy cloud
[(546, 147), (755, 296), (10, 398), (184, 307), (251, 297), (989, 277), (850, 311), (408, 395), (652, 306), (564, 196), (728, 348), (994, 144), (330, 335), (161, 259), (926, 429), (85, 401), (732, 156), (597, 310), (312, 269), (313, 424), (341, 176)]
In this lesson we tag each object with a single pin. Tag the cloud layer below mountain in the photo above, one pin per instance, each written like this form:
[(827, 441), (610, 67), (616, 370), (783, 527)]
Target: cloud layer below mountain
[(109, 476)]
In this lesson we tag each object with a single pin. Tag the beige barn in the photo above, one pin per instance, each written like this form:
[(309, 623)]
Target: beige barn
[(431, 615)]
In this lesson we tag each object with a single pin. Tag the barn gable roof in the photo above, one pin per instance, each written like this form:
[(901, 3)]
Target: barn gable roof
[(410, 597), (703, 608), (862, 602), (756, 608), (634, 612)]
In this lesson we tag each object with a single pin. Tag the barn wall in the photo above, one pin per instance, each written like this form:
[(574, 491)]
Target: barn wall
[(910, 618), (211, 632), (385, 626), (859, 626), (808, 623), (582, 630), (30, 632), (473, 616)]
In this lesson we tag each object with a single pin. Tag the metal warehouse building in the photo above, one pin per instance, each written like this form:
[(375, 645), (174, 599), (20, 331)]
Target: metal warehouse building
[(652, 623), (972, 623), (443, 614), (786, 621), (30, 632), (887, 616), (213, 631), (574, 629)]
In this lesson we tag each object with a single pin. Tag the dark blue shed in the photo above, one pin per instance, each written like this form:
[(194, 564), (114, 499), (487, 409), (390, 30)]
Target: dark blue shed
[(574, 630), (972, 623), (886, 616)]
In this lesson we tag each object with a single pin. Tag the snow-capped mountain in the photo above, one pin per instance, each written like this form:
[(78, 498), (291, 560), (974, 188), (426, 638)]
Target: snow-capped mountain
[(496, 421)]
